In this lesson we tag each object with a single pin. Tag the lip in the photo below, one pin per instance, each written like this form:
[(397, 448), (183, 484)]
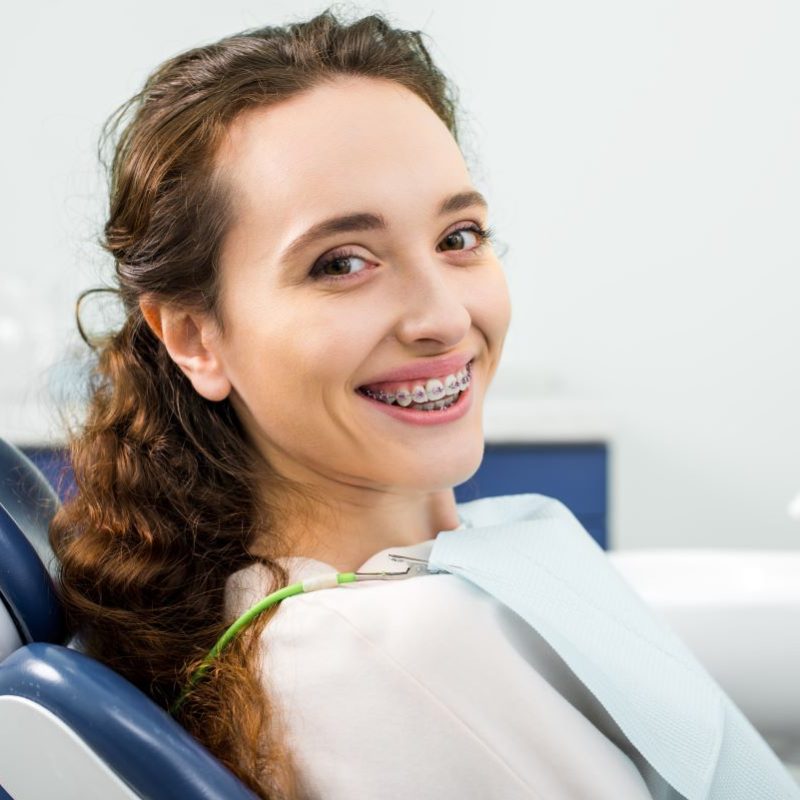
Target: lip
[(416, 417), (430, 368)]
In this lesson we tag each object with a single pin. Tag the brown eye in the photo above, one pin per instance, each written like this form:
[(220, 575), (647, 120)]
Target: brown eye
[(339, 262), (456, 237)]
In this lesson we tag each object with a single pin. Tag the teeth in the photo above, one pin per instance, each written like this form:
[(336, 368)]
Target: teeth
[(443, 403), (430, 395), (435, 390)]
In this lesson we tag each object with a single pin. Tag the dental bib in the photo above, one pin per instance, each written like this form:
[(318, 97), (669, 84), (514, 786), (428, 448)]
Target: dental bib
[(531, 553)]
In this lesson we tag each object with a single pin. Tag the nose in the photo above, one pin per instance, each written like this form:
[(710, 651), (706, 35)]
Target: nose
[(431, 303)]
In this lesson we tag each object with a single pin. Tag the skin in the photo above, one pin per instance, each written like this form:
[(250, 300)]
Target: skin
[(294, 350)]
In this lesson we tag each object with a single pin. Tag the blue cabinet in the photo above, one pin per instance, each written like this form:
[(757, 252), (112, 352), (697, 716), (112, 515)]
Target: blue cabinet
[(576, 474)]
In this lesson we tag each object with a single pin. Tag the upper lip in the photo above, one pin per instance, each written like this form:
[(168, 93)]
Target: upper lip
[(429, 368)]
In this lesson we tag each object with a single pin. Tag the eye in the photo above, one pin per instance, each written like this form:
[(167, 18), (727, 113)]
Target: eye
[(340, 259), (483, 235), (337, 260)]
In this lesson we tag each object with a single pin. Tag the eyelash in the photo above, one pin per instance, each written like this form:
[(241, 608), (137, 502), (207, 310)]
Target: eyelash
[(485, 235)]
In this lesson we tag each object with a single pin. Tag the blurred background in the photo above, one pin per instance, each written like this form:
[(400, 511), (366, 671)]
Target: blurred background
[(642, 165)]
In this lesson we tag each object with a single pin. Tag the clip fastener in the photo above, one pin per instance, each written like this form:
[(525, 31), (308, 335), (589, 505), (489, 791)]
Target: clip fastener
[(416, 566)]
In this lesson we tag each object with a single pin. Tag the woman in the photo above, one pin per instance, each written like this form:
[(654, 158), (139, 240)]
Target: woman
[(292, 222)]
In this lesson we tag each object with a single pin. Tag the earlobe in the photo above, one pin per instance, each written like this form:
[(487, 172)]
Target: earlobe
[(186, 337)]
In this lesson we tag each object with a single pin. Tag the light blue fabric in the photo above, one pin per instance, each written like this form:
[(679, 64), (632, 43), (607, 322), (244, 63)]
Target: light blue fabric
[(531, 553)]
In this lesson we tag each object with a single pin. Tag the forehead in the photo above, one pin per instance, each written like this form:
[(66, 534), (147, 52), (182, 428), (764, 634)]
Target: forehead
[(336, 148)]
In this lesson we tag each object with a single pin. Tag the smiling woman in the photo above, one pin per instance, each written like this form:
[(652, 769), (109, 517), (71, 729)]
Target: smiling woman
[(288, 356), (291, 220)]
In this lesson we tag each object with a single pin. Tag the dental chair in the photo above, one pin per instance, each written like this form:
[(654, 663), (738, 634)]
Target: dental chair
[(70, 727)]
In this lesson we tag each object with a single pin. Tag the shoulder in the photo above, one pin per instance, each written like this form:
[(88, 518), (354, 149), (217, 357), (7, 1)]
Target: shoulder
[(432, 672), (398, 636), (402, 622)]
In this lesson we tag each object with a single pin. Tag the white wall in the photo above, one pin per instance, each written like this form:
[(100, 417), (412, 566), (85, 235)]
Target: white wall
[(641, 161)]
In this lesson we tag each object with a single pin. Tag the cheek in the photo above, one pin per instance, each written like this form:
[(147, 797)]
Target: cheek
[(491, 315), (504, 302), (493, 306), (323, 346), (291, 355)]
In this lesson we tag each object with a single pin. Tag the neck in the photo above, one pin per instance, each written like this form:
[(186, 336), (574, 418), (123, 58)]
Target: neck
[(347, 535)]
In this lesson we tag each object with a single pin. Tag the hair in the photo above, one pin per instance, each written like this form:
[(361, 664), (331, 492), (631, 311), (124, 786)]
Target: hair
[(168, 489)]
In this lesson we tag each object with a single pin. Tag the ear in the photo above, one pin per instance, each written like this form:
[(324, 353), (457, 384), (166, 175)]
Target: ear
[(189, 338)]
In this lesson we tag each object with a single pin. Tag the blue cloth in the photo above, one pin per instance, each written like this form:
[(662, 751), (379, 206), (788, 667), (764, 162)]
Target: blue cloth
[(532, 554)]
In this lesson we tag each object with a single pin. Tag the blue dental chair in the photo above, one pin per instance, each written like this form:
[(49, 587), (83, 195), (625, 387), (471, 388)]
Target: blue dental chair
[(71, 728)]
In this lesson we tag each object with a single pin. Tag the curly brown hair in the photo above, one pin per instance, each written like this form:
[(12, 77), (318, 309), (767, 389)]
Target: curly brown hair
[(169, 491)]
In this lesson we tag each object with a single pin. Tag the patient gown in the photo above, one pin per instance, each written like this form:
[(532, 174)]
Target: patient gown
[(430, 688)]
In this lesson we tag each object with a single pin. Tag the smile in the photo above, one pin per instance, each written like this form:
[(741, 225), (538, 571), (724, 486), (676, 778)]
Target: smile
[(447, 409)]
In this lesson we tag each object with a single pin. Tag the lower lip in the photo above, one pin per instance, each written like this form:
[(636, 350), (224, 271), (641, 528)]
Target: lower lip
[(433, 417)]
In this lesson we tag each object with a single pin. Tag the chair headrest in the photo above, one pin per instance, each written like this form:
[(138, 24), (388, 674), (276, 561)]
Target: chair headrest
[(28, 498), (27, 563)]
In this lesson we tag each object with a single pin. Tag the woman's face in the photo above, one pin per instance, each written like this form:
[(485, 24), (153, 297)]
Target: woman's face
[(297, 347)]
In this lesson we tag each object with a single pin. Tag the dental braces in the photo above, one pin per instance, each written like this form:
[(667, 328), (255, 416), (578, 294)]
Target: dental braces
[(460, 384)]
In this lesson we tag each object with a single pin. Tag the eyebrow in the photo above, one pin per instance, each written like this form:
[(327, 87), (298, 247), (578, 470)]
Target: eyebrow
[(367, 221)]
